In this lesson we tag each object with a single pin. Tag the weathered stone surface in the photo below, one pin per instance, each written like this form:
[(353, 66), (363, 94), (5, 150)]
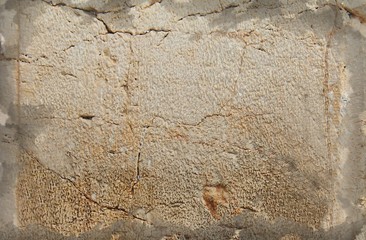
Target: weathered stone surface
[(182, 119)]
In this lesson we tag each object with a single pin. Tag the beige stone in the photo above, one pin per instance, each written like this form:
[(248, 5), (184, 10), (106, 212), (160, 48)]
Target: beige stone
[(182, 119)]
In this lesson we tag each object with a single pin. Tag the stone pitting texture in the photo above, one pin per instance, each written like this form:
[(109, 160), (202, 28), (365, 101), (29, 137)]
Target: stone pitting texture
[(215, 119)]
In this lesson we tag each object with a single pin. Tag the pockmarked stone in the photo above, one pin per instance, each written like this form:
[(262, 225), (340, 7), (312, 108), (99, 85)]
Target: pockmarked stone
[(182, 119)]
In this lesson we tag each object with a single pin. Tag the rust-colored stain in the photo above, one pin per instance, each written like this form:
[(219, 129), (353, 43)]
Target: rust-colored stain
[(214, 196), (354, 13)]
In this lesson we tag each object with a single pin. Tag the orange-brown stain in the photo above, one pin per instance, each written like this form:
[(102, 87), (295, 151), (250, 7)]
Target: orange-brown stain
[(214, 196)]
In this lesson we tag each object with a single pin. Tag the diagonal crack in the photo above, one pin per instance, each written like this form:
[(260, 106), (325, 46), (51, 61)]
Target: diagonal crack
[(153, 2), (352, 12), (109, 30), (161, 41), (85, 195)]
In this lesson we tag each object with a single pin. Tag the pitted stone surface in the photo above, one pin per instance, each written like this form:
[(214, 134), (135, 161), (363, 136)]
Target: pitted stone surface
[(182, 119)]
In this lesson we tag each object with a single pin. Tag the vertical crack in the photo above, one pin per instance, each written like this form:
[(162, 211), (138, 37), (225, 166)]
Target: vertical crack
[(327, 98), (18, 75), (138, 160), (327, 88), (326, 91)]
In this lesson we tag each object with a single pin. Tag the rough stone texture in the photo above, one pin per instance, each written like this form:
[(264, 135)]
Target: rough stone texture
[(182, 119)]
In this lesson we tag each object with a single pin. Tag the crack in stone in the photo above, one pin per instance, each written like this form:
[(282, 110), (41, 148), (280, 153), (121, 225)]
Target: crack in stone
[(161, 41), (207, 116), (138, 160), (87, 10), (94, 12), (23, 60), (204, 118), (209, 13), (352, 12), (108, 29), (131, 33), (86, 196), (326, 87), (69, 47), (153, 2)]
